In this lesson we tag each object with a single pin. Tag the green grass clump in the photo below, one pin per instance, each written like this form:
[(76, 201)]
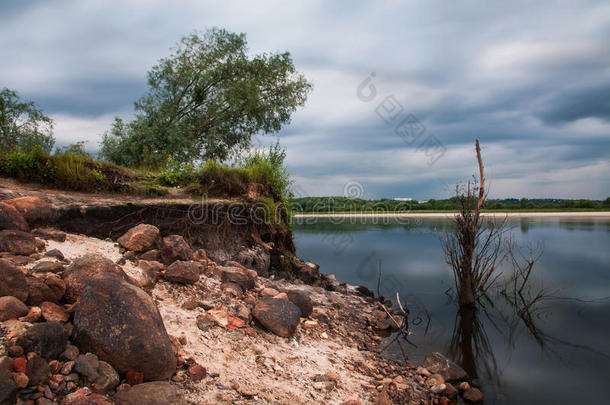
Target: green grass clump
[(67, 171)]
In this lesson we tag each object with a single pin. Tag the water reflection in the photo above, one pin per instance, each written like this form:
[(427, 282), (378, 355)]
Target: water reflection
[(555, 351)]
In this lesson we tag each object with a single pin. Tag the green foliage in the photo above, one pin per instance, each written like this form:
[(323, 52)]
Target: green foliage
[(23, 126), (205, 101), (176, 173), (66, 171), (268, 168)]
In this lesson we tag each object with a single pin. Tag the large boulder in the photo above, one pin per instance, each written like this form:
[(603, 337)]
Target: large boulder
[(32, 208), (83, 269), (278, 315), (10, 218), (183, 272), (122, 326), (140, 238), (302, 300), (12, 281), (152, 393), (19, 242), (11, 308), (436, 363), (48, 339), (174, 247), (238, 276)]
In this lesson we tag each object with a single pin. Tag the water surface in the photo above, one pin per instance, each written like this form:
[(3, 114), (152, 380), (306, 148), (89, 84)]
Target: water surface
[(557, 354)]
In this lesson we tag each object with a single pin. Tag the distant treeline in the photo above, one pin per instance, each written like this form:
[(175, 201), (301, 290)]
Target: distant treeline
[(347, 204)]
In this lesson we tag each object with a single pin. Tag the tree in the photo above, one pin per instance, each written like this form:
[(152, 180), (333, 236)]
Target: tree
[(206, 100), (23, 126), (471, 249)]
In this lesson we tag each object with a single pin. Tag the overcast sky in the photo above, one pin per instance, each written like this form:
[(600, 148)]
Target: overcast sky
[(531, 80)]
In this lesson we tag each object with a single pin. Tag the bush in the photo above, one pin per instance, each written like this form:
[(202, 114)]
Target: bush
[(176, 174), (268, 169)]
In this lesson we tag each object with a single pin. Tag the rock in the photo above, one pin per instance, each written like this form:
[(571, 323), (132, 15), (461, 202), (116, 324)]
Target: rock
[(56, 253), (32, 208), (464, 386), (140, 238), (56, 286), (87, 365), (152, 393), (15, 351), (107, 380), (50, 233), (151, 272), (237, 276), (200, 255), (39, 291), (437, 389), (37, 369), (280, 316), (11, 308), (473, 395), (257, 258), (8, 388), (12, 281), (218, 316), (84, 396), (244, 313), (232, 288), (14, 330), (48, 339), (83, 269), (53, 313), (196, 372), (10, 218), (71, 353), (152, 255), (20, 364), (269, 292), (21, 380), (183, 272), (122, 326), (302, 300), (383, 398), (48, 267), (174, 247), (19, 242), (436, 363), (450, 391)]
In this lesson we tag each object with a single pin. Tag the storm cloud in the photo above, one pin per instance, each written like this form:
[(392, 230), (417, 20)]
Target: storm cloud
[(530, 80)]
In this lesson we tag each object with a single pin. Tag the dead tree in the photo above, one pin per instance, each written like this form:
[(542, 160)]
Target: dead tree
[(471, 249)]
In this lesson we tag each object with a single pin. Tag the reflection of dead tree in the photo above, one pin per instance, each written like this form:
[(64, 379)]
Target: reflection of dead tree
[(470, 346), (472, 250)]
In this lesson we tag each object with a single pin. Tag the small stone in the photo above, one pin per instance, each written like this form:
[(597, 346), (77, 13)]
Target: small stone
[(464, 386), (197, 372), (15, 351), (11, 308), (53, 313), (20, 364), (33, 316), (84, 396), (87, 365), (423, 371), (150, 393), (280, 316), (50, 233), (140, 238), (134, 378), (183, 272), (219, 316), (37, 369), (450, 391), (48, 267), (48, 339), (473, 395), (437, 389), (107, 380), (21, 380), (435, 379), (151, 255), (269, 292), (232, 288), (70, 353), (189, 305), (55, 253), (67, 367)]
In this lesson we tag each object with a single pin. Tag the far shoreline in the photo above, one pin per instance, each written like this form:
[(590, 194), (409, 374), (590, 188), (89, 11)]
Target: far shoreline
[(575, 214)]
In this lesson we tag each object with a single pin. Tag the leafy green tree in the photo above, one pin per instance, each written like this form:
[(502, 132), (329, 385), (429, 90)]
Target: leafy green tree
[(206, 100), (23, 126)]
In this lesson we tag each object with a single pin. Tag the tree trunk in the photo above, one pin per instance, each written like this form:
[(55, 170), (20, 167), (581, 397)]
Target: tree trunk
[(466, 295)]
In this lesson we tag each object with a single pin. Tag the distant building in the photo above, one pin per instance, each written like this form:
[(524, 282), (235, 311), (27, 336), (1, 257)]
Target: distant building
[(422, 201), (403, 199)]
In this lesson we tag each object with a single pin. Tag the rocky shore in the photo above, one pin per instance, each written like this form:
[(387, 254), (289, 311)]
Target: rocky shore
[(150, 317)]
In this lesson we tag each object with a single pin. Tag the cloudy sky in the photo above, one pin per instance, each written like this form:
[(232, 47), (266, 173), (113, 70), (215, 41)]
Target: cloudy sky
[(401, 88)]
